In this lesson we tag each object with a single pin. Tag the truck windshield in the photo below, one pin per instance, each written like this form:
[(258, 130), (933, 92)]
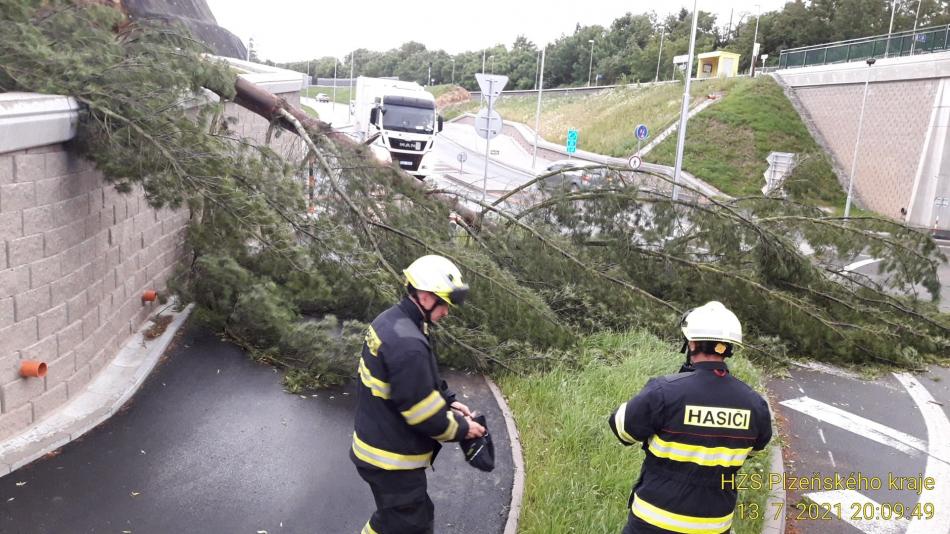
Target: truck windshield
[(408, 119)]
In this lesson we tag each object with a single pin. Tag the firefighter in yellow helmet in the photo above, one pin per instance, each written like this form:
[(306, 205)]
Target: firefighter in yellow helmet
[(696, 429), (405, 410)]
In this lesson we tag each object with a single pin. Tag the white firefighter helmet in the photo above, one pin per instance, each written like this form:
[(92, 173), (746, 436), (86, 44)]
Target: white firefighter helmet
[(711, 322), (437, 275)]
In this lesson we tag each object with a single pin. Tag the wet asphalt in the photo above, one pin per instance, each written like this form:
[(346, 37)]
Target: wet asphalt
[(212, 443)]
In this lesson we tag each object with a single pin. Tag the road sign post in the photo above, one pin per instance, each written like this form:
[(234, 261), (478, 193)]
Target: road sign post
[(462, 156), (491, 86), (634, 162)]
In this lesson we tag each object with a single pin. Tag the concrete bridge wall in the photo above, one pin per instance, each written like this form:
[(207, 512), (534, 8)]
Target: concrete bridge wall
[(901, 154)]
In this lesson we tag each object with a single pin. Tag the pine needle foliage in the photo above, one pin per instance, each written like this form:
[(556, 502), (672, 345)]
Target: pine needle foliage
[(544, 271)]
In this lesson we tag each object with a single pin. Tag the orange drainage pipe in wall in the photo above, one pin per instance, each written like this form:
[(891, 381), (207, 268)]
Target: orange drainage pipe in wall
[(149, 296), (32, 369)]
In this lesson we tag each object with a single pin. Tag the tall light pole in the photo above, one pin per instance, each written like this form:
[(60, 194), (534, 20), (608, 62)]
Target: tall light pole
[(537, 69), (590, 69), (913, 39), (308, 73), (857, 141), (453, 71), (336, 61), (684, 111), (483, 61), (755, 37), (660, 55), (351, 80), (492, 58), (890, 29), (537, 114)]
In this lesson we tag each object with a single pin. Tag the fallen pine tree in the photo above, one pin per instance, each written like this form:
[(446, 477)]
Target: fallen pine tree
[(544, 272)]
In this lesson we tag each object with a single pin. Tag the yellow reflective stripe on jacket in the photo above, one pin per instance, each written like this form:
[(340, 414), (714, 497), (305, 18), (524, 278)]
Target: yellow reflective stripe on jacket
[(619, 419), (697, 454), (377, 387), (425, 408), (368, 529), (451, 430), (390, 461), (686, 524), (372, 341)]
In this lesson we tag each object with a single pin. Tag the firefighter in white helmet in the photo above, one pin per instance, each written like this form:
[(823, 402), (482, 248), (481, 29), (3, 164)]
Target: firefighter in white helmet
[(405, 410), (696, 429)]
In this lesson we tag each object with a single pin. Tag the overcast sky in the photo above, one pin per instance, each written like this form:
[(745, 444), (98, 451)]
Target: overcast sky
[(287, 30)]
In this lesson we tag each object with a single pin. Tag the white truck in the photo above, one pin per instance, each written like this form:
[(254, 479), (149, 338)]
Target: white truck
[(398, 121)]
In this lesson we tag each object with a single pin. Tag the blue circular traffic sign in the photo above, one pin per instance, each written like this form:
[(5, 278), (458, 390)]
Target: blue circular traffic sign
[(642, 132)]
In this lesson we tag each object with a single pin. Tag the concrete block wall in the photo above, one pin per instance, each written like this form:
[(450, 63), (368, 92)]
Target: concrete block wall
[(76, 256), (896, 120)]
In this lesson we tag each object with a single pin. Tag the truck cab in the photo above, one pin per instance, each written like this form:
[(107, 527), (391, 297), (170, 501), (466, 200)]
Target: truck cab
[(399, 122)]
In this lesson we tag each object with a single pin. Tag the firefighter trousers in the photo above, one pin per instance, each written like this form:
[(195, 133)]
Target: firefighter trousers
[(635, 525), (402, 503)]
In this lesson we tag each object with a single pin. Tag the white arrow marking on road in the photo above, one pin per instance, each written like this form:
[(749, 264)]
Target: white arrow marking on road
[(857, 424), (852, 503), (938, 457)]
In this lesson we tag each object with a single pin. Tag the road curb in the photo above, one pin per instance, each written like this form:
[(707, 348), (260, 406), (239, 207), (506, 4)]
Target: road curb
[(777, 495), (105, 394), (517, 486)]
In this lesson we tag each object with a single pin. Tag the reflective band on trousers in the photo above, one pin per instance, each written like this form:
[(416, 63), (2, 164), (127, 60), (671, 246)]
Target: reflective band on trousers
[(619, 420), (368, 529), (387, 460), (425, 408), (686, 524), (707, 456), (377, 386)]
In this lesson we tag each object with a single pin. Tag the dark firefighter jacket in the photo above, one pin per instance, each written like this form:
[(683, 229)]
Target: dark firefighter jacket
[(696, 430), (403, 404)]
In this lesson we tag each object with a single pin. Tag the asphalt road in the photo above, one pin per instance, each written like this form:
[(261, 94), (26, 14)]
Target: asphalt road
[(212, 443)]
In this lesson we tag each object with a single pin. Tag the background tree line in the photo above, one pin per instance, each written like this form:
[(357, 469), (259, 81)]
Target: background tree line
[(627, 50)]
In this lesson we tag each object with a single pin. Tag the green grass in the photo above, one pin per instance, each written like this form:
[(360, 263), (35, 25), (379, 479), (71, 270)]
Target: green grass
[(605, 121), (342, 93), (578, 476), (726, 145)]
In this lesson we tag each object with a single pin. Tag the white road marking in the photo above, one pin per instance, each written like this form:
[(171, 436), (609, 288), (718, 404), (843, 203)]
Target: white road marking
[(801, 389), (854, 503), (832, 458), (859, 425), (861, 263), (822, 436), (938, 457), (827, 369)]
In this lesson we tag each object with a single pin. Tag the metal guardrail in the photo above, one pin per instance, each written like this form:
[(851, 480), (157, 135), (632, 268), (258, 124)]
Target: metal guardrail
[(906, 43)]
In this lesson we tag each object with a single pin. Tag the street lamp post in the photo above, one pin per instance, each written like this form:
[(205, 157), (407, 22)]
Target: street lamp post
[(684, 111), (660, 55), (537, 69), (590, 69), (453, 71), (537, 114), (483, 61), (890, 29), (351, 81), (913, 39), (336, 61), (755, 37), (857, 141), (492, 58)]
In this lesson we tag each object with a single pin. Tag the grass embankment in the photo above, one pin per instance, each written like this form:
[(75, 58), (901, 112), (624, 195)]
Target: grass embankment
[(578, 476), (605, 121), (342, 93), (726, 145)]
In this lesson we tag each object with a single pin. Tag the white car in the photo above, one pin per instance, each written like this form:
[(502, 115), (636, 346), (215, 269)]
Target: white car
[(322, 97)]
